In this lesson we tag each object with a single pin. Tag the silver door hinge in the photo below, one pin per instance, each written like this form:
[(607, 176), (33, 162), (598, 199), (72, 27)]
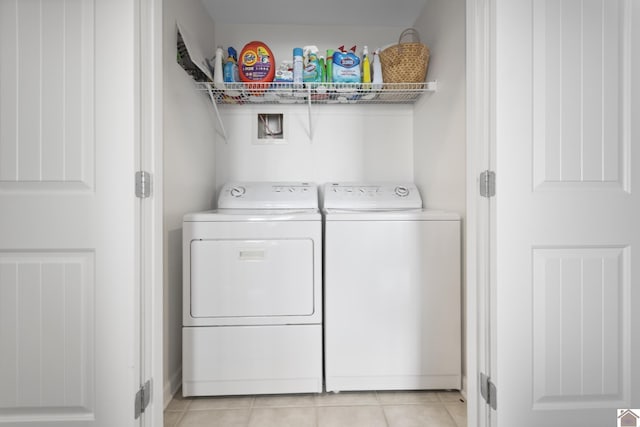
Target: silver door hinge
[(488, 183), (488, 391), (143, 184), (143, 396)]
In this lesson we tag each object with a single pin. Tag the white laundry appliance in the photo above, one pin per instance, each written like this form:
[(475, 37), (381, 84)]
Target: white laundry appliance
[(392, 290), (252, 292)]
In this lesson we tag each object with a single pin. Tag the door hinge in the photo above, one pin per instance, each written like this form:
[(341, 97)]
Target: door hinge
[(488, 391), (488, 183), (143, 184), (143, 396)]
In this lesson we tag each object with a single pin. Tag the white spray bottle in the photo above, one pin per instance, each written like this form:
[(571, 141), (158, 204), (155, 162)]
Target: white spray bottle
[(218, 74), (377, 71)]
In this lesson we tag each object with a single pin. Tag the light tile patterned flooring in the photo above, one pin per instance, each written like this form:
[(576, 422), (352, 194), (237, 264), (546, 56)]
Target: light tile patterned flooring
[(346, 409)]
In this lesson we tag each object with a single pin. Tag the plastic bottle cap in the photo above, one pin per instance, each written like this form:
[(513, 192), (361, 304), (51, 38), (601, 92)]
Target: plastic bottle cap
[(297, 51)]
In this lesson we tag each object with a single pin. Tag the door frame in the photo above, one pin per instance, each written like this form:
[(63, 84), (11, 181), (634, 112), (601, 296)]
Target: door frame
[(480, 225), (149, 70)]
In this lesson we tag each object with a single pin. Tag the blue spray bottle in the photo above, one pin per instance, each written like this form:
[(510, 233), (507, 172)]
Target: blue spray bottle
[(231, 67)]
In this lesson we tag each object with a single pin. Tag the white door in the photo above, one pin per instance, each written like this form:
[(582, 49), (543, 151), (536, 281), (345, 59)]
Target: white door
[(69, 342), (567, 277)]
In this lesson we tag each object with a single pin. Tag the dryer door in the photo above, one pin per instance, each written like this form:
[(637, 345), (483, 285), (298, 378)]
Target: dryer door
[(233, 279)]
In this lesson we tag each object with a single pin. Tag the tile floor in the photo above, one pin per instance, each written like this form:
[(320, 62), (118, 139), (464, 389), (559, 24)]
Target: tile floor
[(346, 409)]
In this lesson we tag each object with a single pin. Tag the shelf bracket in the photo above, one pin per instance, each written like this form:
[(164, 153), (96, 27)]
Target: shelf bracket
[(215, 107), (309, 115), (392, 93)]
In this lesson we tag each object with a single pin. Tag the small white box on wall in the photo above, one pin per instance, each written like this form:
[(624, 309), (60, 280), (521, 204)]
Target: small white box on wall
[(270, 128)]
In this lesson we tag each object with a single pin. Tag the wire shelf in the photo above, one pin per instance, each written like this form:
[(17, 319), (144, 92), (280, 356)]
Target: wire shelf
[(315, 93)]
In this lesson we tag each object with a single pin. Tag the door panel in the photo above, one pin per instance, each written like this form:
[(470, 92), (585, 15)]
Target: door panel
[(579, 71), (566, 211), (46, 331), (581, 326), (68, 257), (47, 103)]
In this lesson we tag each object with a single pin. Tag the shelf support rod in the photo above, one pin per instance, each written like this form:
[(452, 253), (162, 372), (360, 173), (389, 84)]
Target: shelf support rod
[(215, 107), (309, 114)]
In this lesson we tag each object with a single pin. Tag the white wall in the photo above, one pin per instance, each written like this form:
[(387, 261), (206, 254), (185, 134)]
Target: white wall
[(349, 143), (440, 118), (189, 172)]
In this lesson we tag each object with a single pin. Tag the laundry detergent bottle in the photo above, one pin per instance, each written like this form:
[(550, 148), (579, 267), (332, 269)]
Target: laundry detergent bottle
[(257, 63)]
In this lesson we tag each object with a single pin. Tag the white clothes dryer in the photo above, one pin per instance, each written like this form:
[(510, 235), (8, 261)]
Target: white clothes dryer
[(392, 290), (252, 292)]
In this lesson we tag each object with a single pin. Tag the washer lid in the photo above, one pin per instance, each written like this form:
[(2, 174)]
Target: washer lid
[(371, 196), (268, 195)]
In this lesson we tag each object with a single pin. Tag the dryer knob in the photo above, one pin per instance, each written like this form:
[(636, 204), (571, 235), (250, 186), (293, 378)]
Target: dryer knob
[(401, 191), (237, 191)]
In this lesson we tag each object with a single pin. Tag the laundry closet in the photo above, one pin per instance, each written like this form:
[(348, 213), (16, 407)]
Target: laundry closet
[(549, 111), (206, 146)]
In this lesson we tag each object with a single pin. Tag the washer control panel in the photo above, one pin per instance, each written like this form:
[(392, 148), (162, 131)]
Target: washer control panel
[(350, 195), (268, 195)]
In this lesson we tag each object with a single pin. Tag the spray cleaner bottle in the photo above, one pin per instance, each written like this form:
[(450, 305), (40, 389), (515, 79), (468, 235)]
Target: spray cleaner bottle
[(366, 68), (312, 72), (231, 67), (377, 70), (329, 66), (366, 75)]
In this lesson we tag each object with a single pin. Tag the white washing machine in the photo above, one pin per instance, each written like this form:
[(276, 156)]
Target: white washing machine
[(252, 292), (392, 290)]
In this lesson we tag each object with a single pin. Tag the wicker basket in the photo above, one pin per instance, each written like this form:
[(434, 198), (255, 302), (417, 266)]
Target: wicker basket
[(405, 62)]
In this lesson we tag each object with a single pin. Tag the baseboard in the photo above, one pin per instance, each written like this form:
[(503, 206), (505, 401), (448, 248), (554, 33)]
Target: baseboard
[(172, 386)]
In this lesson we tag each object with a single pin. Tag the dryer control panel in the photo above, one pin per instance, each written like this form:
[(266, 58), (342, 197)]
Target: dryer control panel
[(353, 195), (268, 195)]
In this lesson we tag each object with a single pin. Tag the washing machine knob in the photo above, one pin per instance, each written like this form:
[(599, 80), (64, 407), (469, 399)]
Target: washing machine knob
[(237, 191), (401, 191)]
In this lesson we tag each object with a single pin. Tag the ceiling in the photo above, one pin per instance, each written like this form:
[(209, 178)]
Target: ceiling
[(392, 13)]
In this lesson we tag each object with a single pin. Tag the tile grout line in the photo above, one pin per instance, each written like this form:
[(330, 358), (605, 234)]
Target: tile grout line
[(252, 406), (384, 413), (181, 417), (455, 421)]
